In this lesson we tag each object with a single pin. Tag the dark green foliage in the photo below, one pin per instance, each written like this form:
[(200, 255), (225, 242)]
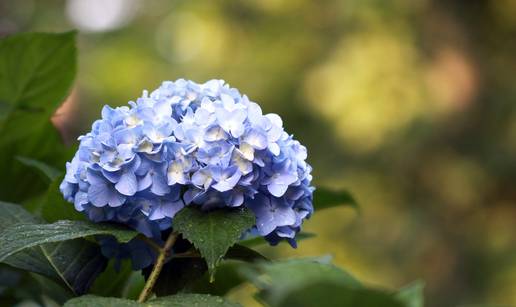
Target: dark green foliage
[(36, 73), (53, 207), (243, 253), (326, 198), (22, 236), (48, 171), (74, 263), (308, 282), (118, 282), (180, 300), (288, 275), (334, 295), (227, 277), (213, 232), (178, 273), (54, 250), (17, 285), (191, 274)]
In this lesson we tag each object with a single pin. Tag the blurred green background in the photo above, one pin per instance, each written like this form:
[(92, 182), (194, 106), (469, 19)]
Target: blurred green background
[(411, 105)]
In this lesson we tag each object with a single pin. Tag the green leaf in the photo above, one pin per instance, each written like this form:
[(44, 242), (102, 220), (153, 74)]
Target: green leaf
[(53, 207), (227, 277), (334, 295), (307, 282), (133, 285), (325, 198), (257, 241), (17, 286), (36, 72), (412, 294), (21, 236), (183, 274), (213, 232), (49, 288), (95, 301), (48, 171), (179, 300), (10, 279), (244, 253), (177, 274), (13, 214), (191, 299), (119, 281), (75, 264), (290, 274), (37, 69), (112, 281)]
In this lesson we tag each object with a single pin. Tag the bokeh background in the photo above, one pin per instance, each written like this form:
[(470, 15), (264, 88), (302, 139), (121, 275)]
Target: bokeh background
[(411, 105)]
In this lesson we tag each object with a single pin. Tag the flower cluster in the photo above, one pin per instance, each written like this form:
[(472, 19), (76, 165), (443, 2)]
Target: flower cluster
[(190, 144)]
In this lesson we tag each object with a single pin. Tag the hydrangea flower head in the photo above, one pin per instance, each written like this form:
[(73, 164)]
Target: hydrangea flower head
[(189, 144)]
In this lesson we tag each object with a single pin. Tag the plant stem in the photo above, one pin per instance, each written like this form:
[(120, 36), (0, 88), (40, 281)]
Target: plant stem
[(162, 256), (189, 254)]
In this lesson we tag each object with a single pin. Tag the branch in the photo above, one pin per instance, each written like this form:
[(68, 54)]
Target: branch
[(188, 254), (163, 252)]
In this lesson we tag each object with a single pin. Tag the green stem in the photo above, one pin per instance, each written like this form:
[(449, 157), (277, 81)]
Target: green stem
[(162, 256), (189, 254)]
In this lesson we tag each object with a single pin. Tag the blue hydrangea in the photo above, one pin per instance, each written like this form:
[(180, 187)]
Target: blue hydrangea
[(189, 144)]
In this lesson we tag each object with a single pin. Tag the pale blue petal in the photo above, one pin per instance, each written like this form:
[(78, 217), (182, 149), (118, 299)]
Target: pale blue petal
[(144, 182), (256, 139), (160, 185), (127, 185), (277, 189)]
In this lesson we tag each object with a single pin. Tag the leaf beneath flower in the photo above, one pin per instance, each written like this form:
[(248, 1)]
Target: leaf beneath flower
[(213, 232), (178, 274), (244, 253), (118, 281), (185, 274)]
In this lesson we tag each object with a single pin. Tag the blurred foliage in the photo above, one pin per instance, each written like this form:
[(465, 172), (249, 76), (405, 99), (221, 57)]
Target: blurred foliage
[(410, 104)]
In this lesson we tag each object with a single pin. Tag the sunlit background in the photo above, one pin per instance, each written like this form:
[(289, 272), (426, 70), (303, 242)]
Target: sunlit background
[(411, 105)]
